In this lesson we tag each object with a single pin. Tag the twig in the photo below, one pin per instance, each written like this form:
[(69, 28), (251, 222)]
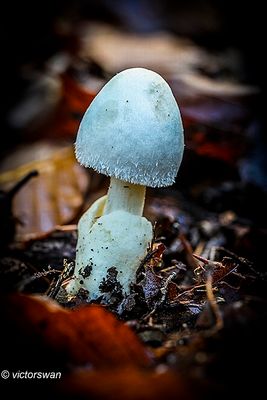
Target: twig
[(190, 290), (213, 303), (189, 252), (55, 285), (66, 228)]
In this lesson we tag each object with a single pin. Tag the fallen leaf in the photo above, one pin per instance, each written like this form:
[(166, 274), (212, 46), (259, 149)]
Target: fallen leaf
[(151, 285), (69, 112), (89, 335), (54, 197), (127, 384)]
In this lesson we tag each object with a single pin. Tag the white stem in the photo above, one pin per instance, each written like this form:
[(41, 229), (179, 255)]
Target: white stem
[(125, 196), (113, 237)]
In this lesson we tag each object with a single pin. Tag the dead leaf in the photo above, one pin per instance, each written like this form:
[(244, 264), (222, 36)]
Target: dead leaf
[(151, 286), (73, 104), (127, 384), (89, 335), (54, 197)]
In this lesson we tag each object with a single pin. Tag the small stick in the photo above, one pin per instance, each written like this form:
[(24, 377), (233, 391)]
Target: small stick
[(188, 252), (55, 285), (213, 303)]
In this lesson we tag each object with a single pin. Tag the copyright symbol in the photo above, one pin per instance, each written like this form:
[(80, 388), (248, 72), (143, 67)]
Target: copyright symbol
[(5, 374)]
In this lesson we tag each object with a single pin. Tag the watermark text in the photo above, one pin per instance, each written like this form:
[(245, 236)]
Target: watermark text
[(5, 374)]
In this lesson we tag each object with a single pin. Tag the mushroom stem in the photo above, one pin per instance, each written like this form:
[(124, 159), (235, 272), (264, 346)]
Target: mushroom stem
[(125, 196)]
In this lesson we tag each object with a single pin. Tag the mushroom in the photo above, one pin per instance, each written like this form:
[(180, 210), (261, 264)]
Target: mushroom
[(132, 132)]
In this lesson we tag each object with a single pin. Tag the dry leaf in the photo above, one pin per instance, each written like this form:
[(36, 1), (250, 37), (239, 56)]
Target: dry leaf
[(69, 112), (180, 60), (89, 335), (54, 197), (127, 384), (53, 105)]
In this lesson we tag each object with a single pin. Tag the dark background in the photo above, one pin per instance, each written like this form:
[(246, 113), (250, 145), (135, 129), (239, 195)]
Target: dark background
[(29, 30)]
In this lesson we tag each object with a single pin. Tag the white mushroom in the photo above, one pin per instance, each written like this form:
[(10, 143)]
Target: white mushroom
[(132, 132)]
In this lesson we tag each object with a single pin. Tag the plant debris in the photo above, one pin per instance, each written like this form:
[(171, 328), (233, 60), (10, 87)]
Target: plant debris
[(185, 308)]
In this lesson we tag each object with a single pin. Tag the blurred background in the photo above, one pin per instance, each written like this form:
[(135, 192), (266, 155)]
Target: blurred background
[(56, 55), (212, 39)]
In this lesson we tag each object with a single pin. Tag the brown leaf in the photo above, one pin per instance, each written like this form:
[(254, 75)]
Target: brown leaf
[(73, 104), (218, 270), (172, 292), (151, 285), (54, 197), (126, 384), (89, 335)]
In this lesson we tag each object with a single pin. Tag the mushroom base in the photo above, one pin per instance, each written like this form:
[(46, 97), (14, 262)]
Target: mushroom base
[(109, 251)]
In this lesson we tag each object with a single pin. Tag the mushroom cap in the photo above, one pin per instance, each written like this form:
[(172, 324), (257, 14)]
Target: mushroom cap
[(133, 130)]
